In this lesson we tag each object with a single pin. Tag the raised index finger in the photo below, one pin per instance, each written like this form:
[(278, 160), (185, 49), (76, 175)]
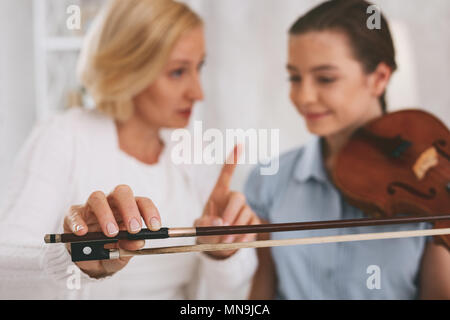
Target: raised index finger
[(224, 180)]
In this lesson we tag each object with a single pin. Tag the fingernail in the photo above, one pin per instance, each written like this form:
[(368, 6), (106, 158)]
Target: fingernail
[(77, 227), (155, 223), (217, 222), (111, 227), (134, 225)]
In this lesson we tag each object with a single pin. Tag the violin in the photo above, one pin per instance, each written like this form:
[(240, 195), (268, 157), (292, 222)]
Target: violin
[(398, 164)]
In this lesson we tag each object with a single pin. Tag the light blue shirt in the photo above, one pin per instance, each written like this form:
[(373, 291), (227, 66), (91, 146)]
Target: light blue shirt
[(302, 191)]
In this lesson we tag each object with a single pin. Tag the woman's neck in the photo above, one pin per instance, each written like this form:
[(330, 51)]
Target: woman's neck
[(139, 140), (331, 147), (333, 144)]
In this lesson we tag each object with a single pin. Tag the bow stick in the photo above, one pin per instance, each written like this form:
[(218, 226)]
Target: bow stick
[(91, 245), (285, 242)]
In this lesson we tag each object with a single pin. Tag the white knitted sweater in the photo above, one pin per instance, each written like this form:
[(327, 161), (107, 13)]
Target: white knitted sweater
[(62, 163)]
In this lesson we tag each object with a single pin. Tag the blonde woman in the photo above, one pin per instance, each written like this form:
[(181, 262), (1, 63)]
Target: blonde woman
[(142, 67)]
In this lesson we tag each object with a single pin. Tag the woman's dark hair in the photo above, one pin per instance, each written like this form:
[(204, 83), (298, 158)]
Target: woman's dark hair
[(369, 46)]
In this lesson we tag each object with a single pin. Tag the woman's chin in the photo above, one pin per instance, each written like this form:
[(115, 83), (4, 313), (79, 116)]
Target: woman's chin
[(320, 130), (179, 124)]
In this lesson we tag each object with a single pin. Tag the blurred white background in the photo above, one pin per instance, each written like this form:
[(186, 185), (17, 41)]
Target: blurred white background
[(245, 81)]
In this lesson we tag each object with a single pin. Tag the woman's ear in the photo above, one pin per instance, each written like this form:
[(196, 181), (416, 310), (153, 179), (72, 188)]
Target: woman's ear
[(381, 77)]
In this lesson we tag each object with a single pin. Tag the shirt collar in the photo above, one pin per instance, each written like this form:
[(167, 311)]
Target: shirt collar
[(310, 163)]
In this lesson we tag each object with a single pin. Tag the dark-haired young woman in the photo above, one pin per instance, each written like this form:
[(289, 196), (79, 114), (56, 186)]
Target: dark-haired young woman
[(339, 70)]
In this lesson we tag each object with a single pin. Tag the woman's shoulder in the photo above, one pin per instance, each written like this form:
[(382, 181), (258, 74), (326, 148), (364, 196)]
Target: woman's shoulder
[(77, 125), (69, 129), (77, 120)]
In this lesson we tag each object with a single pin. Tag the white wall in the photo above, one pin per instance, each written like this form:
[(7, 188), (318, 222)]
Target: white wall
[(428, 23), (16, 80), (245, 80)]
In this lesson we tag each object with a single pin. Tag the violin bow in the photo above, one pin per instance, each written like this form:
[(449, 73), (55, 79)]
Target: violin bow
[(91, 245)]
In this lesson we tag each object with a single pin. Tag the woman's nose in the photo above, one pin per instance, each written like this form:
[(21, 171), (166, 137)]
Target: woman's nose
[(195, 89), (305, 94)]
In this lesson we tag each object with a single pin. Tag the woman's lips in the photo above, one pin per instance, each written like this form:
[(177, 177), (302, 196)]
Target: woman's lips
[(316, 115), (185, 113)]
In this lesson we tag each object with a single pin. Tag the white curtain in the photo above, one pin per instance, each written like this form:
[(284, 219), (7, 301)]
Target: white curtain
[(16, 81)]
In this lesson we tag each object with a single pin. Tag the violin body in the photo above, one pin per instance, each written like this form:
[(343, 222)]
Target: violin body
[(398, 164)]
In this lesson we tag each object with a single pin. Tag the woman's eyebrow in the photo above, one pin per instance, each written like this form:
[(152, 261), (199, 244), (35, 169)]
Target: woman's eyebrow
[(324, 67), (291, 67), (180, 61), (185, 61)]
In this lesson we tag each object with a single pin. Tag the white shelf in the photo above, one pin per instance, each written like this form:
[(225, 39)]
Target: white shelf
[(56, 49)]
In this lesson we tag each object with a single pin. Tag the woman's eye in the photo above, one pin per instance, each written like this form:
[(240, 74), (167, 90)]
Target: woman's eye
[(177, 73), (326, 80), (294, 79)]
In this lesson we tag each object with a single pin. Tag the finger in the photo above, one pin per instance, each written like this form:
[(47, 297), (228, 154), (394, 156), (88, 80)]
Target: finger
[(244, 218), (122, 198), (200, 222), (247, 238), (149, 212), (99, 206), (89, 217), (131, 245), (234, 155), (236, 202), (95, 227), (114, 265), (251, 236), (74, 223), (257, 236), (210, 209), (224, 180), (206, 221)]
